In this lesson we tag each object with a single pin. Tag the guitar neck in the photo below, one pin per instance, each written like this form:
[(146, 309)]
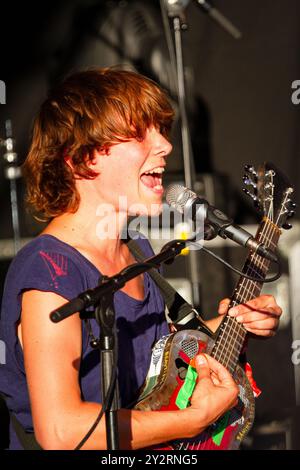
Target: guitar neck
[(232, 334)]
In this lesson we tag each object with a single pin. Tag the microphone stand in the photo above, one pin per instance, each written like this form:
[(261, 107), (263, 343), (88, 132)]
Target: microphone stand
[(12, 173), (105, 316), (108, 285), (179, 23), (176, 11), (220, 19), (102, 298)]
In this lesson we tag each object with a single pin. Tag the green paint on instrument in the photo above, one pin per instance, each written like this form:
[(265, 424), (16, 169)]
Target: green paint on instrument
[(150, 384), (182, 400), (220, 428)]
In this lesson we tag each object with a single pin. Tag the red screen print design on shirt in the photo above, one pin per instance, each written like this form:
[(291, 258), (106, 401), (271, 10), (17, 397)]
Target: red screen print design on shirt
[(57, 265)]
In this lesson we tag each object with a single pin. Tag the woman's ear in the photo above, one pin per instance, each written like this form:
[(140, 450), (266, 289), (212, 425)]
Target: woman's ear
[(98, 155), (94, 161), (68, 161)]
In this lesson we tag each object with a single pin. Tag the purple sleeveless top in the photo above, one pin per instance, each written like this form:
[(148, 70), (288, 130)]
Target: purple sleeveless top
[(48, 264)]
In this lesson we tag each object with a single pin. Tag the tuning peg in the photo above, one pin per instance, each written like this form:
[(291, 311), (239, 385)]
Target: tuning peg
[(248, 193), (250, 169), (291, 213), (292, 205), (287, 226), (248, 181)]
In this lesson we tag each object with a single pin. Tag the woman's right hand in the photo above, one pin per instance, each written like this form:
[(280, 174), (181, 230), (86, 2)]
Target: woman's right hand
[(215, 392)]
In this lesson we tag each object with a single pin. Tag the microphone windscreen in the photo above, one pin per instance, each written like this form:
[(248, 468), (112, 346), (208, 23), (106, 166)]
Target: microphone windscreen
[(177, 196)]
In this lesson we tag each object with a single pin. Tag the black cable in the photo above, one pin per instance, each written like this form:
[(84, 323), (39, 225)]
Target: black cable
[(237, 271), (193, 241), (105, 405)]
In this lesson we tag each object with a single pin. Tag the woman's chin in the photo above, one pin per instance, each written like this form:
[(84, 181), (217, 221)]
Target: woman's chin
[(146, 210)]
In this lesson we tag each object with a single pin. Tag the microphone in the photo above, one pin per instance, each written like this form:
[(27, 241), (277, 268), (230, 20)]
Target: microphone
[(176, 7), (198, 209)]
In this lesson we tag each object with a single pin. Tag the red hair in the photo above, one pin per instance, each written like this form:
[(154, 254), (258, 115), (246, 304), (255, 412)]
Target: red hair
[(90, 110)]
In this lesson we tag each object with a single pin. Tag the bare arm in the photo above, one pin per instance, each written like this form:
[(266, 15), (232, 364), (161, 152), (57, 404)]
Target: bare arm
[(61, 419), (214, 323)]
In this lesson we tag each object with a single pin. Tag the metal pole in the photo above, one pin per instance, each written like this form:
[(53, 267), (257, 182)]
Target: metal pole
[(12, 173), (188, 158)]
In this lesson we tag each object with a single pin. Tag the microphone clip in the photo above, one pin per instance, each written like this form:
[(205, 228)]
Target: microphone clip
[(216, 222)]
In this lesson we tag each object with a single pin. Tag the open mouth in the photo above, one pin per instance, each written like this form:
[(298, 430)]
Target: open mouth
[(153, 179)]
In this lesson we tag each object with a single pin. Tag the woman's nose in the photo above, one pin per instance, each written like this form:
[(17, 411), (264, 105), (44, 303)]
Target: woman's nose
[(162, 145)]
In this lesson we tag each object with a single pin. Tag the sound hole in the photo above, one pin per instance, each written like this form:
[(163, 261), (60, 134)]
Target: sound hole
[(190, 347)]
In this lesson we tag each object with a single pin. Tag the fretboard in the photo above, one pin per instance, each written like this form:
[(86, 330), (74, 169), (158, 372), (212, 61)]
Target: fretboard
[(232, 334)]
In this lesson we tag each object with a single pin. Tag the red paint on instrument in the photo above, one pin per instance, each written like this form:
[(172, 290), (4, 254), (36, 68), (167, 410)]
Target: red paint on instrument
[(202, 346), (183, 356)]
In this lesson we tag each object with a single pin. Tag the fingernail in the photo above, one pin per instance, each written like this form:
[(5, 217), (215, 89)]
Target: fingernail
[(233, 312), (201, 360), (239, 319)]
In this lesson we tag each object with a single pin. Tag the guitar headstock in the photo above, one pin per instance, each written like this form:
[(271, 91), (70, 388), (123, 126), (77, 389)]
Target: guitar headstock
[(271, 193)]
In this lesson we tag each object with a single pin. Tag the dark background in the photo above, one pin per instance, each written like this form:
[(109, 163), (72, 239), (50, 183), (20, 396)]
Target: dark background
[(239, 106), (238, 92)]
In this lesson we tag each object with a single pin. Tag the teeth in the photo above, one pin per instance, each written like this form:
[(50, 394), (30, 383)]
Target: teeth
[(159, 169), (158, 186)]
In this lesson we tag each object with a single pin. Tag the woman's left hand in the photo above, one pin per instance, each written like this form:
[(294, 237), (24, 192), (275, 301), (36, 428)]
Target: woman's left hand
[(259, 316)]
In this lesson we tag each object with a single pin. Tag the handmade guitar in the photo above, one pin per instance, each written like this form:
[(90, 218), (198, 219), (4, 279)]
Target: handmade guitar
[(172, 376)]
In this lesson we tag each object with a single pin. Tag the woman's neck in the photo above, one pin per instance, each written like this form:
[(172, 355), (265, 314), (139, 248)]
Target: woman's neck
[(87, 229)]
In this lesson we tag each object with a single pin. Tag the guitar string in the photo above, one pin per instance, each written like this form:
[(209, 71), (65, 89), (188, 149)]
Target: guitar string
[(229, 328), (262, 263), (235, 329), (234, 326), (250, 291), (255, 284), (259, 263), (235, 323), (233, 332)]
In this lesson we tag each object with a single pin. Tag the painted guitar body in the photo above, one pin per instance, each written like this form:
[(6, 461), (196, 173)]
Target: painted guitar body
[(172, 377), (169, 386)]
